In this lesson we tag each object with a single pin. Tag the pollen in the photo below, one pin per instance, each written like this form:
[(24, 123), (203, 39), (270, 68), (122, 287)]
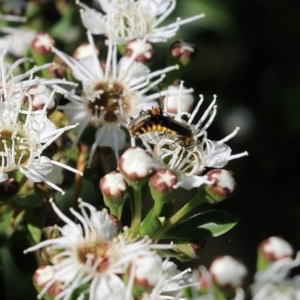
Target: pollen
[(15, 148)]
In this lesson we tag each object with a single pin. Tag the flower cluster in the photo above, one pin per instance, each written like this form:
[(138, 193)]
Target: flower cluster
[(129, 127), (93, 260), (25, 128)]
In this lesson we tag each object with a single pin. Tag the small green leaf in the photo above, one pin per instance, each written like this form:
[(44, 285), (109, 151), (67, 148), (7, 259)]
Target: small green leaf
[(26, 201), (34, 225), (204, 225)]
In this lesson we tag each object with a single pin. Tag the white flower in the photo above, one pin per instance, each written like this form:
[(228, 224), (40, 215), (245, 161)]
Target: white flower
[(273, 282), (171, 284), (25, 134), (18, 39), (22, 143), (111, 95), (189, 160), (125, 20), (92, 258)]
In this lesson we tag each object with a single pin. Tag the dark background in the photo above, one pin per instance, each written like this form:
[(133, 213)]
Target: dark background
[(249, 56)]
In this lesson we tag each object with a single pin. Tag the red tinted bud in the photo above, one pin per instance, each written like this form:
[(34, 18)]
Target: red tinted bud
[(183, 50), (85, 50), (275, 248), (136, 164), (228, 272), (222, 187), (146, 51), (163, 180), (42, 43), (58, 68)]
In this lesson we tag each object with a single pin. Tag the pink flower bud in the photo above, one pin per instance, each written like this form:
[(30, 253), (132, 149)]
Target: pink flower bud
[(85, 50), (275, 248), (147, 270), (183, 50), (222, 187), (146, 51), (42, 43), (228, 272), (163, 180), (39, 96), (113, 186), (136, 164), (177, 103)]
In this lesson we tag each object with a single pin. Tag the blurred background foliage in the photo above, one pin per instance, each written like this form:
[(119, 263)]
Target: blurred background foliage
[(248, 54)]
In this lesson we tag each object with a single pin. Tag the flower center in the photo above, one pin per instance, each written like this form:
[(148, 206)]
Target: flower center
[(15, 148), (96, 255), (108, 97), (180, 159)]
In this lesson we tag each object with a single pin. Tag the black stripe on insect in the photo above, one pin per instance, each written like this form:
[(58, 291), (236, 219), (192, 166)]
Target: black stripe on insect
[(155, 120)]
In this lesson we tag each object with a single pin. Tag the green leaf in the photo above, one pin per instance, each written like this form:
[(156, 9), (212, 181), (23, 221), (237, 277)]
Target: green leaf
[(87, 194), (204, 225), (26, 201), (34, 225), (5, 219)]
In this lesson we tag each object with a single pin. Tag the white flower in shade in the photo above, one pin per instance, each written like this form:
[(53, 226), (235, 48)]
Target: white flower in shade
[(18, 39), (189, 156), (18, 88), (24, 136), (274, 283), (91, 258), (111, 95), (125, 20)]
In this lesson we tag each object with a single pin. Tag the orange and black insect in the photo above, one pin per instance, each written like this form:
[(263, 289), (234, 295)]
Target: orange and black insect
[(155, 120)]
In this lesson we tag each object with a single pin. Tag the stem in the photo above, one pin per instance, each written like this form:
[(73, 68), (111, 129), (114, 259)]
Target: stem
[(137, 210), (83, 151), (194, 202), (119, 212)]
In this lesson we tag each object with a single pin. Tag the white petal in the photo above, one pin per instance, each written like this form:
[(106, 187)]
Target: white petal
[(93, 20), (111, 136)]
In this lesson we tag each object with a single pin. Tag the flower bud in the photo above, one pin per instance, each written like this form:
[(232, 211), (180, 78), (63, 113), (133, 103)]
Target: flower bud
[(58, 68), (161, 185), (222, 187), (272, 250), (85, 50), (38, 96), (136, 165), (189, 249), (177, 103), (113, 187), (48, 252), (9, 187), (227, 272), (183, 50), (42, 44), (146, 51), (42, 276), (147, 272)]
